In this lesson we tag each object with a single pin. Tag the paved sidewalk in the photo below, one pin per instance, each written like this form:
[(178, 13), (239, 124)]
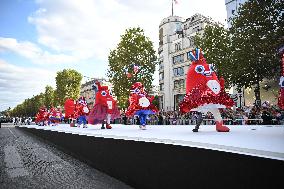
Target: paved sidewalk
[(27, 162)]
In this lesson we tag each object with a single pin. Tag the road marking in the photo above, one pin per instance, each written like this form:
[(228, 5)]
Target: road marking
[(14, 165), (12, 133)]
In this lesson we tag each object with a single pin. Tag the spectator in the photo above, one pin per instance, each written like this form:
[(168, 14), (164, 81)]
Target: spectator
[(124, 119), (266, 117), (161, 119)]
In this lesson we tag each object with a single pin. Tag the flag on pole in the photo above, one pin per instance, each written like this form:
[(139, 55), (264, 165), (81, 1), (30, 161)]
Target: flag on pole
[(176, 2), (135, 68)]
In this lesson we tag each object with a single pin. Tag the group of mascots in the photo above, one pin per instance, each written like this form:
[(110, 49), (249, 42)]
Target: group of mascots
[(49, 117), (204, 92)]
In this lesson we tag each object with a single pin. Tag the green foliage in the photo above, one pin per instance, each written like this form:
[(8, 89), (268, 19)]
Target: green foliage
[(156, 101), (68, 83), (6, 112), (49, 96), (29, 107), (247, 53), (68, 86), (216, 44), (133, 48), (256, 34)]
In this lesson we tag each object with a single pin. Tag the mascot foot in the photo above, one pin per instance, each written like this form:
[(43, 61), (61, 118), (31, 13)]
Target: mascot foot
[(108, 126), (220, 127), (85, 126), (195, 130), (143, 127)]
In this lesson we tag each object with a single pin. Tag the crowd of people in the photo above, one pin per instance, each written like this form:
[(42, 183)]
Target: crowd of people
[(265, 115), (268, 115)]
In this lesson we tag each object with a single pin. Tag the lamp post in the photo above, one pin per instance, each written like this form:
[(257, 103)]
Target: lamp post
[(240, 96)]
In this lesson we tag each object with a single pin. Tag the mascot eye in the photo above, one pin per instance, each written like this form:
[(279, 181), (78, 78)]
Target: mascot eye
[(110, 93), (137, 91), (103, 93), (212, 67), (199, 69)]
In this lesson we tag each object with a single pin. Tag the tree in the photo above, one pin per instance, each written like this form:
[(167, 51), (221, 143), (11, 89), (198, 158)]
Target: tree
[(133, 48), (68, 83), (49, 96), (255, 33), (216, 44)]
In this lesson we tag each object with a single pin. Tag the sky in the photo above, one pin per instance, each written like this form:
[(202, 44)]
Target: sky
[(40, 37)]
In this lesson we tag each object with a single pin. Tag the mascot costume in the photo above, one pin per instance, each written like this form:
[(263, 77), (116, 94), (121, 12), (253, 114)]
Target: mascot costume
[(105, 108), (55, 116), (76, 110), (42, 117), (204, 92), (140, 104), (82, 111)]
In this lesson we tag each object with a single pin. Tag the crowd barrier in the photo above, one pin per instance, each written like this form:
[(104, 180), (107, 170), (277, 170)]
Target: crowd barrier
[(131, 121)]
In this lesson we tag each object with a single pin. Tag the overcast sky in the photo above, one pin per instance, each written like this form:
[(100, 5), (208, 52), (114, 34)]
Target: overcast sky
[(40, 37)]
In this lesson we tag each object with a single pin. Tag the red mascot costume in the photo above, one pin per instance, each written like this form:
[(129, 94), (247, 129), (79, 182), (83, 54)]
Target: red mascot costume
[(105, 108), (42, 117), (55, 116), (204, 92), (140, 104), (76, 110)]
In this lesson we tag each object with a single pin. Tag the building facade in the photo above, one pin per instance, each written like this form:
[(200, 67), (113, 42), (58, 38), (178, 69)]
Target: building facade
[(232, 7), (88, 90), (176, 39)]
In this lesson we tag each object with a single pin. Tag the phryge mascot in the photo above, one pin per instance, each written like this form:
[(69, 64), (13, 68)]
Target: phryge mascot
[(55, 116), (77, 110), (42, 116), (140, 103), (105, 108), (204, 92)]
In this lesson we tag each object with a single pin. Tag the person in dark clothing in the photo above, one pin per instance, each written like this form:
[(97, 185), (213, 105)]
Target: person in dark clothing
[(137, 120), (266, 117), (199, 120), (124, 119), (252, 116), (160, 119)]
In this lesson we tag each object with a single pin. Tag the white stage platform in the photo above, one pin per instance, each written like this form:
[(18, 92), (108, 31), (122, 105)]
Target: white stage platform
[(255, 140)]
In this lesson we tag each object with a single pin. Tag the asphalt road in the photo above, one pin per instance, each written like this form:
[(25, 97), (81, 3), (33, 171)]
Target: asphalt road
[(28, 162)]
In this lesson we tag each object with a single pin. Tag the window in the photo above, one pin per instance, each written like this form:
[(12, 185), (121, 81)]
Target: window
[(181, 83), (177, 46), (178, 59), (178, 71), (161, 35), (191, 41), (195, 29), (176, 84), (161, 66), (161, 87), (161, 76), (175, 72)]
